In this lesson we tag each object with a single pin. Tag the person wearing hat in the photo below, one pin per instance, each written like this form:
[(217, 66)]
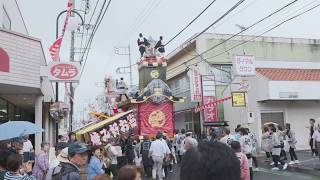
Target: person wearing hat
[(69, 167), (189, 141), (62, 157)]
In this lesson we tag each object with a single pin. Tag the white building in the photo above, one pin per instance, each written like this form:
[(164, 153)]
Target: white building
[(281, 92), (217, 61), (24, 94)]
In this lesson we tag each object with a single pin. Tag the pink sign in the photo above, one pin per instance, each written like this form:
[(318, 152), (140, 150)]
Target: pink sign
[(195, 84), (4, 61), (210, 112), (244, 65)]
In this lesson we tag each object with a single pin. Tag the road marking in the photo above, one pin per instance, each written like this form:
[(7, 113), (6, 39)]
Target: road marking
[(288, 174)]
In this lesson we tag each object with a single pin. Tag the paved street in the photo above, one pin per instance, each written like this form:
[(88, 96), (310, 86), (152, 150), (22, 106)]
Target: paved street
[(263, 174)]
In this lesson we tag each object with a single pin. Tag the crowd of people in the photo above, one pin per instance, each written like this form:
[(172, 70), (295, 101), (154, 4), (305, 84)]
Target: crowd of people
[(222, 155)]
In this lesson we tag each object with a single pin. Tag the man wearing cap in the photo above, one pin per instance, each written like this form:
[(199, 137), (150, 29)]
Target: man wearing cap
[(69, 167)]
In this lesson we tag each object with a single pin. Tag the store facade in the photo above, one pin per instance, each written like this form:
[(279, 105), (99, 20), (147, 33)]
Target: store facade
[(24, 94)]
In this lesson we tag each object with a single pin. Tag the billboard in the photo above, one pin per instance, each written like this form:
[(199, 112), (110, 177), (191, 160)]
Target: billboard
[(195, 83), (243, 65)]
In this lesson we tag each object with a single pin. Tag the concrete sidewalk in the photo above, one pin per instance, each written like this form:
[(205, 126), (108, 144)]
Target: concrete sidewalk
[(308, 164)]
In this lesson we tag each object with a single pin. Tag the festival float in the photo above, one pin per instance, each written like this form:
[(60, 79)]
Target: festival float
[(145, 112)]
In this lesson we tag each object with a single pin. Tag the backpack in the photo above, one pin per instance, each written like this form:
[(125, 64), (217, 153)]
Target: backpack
[(60, 171)]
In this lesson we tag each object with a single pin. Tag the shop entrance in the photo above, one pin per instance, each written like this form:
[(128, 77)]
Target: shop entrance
[(275, 117)]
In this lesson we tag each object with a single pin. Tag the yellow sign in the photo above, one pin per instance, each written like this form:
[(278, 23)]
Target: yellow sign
[(238, 99), (154, 74), (156, 119)]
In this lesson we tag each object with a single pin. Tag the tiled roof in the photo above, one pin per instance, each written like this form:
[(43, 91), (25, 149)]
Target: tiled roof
[(275, 74)]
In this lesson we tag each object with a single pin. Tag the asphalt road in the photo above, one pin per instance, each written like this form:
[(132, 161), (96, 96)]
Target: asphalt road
[(262, 174)]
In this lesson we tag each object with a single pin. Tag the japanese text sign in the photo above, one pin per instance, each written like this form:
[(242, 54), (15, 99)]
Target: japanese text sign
[(244, 65), (124, 124), (238, 99), (195, 84), (64, 71), (210, 112)]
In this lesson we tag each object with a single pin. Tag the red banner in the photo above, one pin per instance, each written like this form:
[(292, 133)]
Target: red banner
[(212, 103), (155, 118), (210, 112)]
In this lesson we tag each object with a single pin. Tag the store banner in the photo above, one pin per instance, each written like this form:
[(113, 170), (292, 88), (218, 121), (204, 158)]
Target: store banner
[(54, 49), (156, 118), (195, 83), (244, 65), (238, 99), (210, 112), (64, 71)]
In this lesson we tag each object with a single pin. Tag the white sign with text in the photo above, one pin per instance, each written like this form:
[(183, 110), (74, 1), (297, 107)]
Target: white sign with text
[(244, 65)]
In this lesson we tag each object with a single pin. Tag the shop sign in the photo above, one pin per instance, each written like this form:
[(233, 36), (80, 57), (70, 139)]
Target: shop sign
[(244, 65), (125, 124), (238, 99), (195, 84), (210, 112), (64, 71), (4, 61)]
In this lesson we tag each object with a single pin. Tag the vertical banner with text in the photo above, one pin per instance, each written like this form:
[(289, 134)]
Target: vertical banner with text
[(195, 83)]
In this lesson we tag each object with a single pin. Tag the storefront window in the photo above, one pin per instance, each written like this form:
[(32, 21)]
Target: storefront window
[(3, 111), (11, 112)]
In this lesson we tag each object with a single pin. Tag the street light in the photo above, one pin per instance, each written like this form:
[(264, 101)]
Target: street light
[(57, 35)]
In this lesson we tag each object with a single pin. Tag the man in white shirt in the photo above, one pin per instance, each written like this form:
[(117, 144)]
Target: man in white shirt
[(316, 139), (189, 142), (113, 154), (158, 151), (227, 137), (27, 149)]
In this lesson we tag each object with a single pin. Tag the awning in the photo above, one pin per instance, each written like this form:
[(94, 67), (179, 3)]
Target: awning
[(101, 124)]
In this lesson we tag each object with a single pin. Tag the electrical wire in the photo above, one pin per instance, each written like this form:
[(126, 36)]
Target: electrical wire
[(191, 22), (94, 32), (283, 22), (254, 24), (218, 20)]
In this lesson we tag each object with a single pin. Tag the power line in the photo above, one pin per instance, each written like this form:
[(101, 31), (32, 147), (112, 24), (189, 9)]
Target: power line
[(283, 22), (219, 19), (238, 12), (254, 24), (94, 32), (141, 18), (244, 42), (191, 22)]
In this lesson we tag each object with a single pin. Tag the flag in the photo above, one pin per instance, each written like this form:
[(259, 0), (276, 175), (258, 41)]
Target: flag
[(55, 47)]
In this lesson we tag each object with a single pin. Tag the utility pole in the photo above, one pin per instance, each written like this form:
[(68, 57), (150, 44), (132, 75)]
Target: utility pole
[(71, 59), (130, 64), (124, 51)]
